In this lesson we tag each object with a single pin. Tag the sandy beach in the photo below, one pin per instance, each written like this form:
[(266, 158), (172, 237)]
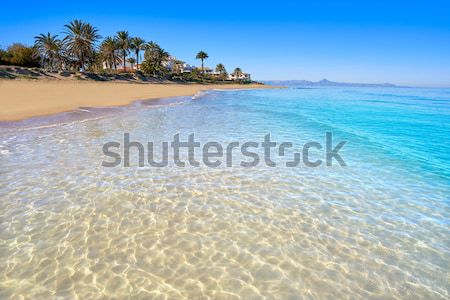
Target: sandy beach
[(24, 98)]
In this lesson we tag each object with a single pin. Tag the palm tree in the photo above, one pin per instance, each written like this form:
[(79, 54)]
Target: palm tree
[(221, 69), (131, 61), (163, 56), (202, 55), (237, 72), (123, 42), (154, 58), (108, 50), (137, 44), (80, 41), (97, 62), (49, 48)]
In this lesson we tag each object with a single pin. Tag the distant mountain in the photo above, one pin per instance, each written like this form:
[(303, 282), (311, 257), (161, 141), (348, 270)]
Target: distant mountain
[(325, 82)]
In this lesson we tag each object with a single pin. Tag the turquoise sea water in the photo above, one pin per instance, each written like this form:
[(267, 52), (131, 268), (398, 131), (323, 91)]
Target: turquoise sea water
[(376, 228)]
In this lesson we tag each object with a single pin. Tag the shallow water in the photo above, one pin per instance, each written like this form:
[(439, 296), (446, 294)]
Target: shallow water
[(377, 228)]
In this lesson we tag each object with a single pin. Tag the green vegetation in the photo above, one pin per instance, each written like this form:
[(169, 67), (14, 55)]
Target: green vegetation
[(132, 61), (109, 54), (20, 55), (123, 44), (155, 56), (79, 43), (220, 68), (80, 49), (202, 55), (137, 44), (237, 72), (50, 48)]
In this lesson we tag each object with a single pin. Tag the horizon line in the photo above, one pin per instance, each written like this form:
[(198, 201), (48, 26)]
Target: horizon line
[(396, 85)]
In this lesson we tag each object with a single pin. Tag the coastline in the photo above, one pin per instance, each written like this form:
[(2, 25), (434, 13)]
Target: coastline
[(25, 99)]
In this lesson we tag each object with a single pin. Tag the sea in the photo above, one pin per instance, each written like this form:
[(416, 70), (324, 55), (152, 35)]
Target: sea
[(284, 193)]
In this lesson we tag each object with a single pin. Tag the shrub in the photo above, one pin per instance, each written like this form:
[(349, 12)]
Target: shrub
[(5, 57), (21, 55)]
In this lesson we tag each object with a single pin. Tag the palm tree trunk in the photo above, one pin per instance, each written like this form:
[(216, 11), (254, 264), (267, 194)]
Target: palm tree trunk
[(137, 60), (203, 70), (114, 62), (124, 67)]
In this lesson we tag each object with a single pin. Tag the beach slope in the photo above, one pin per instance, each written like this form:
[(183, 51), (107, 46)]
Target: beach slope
[(23, 99)]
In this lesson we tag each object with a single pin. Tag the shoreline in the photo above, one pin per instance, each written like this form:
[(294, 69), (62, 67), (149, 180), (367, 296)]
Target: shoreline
[(24, 99)]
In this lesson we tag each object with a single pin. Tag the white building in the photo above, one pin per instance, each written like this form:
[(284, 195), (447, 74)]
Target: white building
[(206, 70), (170, 62), (240, 76), (187, 68), (119, 66)]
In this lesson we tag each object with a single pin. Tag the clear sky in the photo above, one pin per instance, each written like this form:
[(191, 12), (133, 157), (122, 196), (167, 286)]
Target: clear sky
[(403, 42)]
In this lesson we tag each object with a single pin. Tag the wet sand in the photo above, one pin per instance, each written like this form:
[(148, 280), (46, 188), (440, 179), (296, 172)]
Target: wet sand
[(24, 99)]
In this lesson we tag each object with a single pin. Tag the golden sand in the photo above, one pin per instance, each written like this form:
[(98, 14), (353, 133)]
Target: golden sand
[(24, 99)]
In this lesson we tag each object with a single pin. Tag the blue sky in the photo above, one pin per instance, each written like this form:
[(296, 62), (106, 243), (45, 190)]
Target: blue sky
[(403, 42)]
